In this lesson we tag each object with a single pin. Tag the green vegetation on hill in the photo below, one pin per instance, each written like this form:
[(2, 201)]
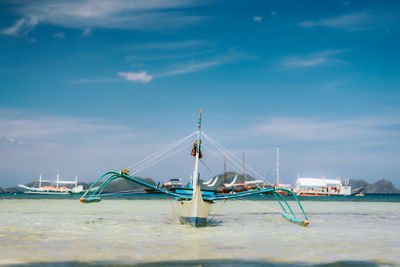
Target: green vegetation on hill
[(380, 187), (383, 187), (121, 185)]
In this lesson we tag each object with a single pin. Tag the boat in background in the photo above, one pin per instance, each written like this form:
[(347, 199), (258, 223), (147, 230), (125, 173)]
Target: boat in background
[(323, 187), (171, 185), (60, 188), (234, 186)]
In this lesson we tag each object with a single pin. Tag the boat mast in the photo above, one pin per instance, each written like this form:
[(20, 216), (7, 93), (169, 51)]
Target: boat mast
[(40, 181), (244, 169), (277, 165), (196, 159), (58, 178), (224, 169)]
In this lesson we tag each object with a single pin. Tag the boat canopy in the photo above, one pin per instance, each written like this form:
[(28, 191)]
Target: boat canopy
[(317, 182)]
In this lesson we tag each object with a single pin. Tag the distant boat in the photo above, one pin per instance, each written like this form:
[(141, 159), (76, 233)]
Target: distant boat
[(323, 187), (234, 186), (171, 185), (60, 187)]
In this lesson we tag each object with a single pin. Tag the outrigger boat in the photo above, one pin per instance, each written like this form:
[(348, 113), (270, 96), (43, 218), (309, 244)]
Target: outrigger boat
[(194, 204)]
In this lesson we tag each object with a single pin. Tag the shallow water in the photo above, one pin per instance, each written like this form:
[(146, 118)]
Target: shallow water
[(145, 230)]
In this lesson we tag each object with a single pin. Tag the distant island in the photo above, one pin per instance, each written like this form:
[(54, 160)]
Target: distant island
[(115, 186), (380, 187)]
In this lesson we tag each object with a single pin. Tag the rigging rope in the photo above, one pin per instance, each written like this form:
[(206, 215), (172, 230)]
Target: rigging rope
[(168, 218), (159, 153), (235, 168), (230, 154), (238, 166), (222, 149), (216, 212), (205, 165), (158, 160)]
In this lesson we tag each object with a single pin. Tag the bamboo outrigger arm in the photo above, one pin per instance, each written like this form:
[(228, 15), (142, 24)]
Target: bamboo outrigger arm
[(93, 194)]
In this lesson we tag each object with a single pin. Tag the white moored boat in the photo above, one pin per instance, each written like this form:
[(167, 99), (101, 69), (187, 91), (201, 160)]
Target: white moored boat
[(60, 188), (321, 187)]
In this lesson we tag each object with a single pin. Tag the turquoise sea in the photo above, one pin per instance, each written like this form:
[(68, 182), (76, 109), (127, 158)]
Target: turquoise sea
[(141, 230)]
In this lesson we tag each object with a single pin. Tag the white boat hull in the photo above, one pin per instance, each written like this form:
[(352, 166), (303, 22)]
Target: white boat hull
[(46, 193), (194, 211)]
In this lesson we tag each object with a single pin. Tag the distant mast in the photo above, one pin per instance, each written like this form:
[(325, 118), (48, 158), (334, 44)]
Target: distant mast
[(277, 165), (244, 169), (196, 159), (224, 168)]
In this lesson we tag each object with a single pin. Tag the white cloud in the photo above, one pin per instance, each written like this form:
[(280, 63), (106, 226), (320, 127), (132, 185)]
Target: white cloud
[(87, 32), (5, 140), (21, 26), (357, 21), (274, 13), (307, 24), (194, 66), (329, 52), (114, 14), (313, 59), (161, 56), (60, 35), (319, 129), (44, 127), (187, 67), (296, 62), (175, 45), (90, 81), (140, 76), (190, 67), (258, 18)]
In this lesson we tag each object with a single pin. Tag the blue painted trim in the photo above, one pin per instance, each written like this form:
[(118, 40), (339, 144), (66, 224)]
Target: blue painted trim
[(241, 194), (189, 192)]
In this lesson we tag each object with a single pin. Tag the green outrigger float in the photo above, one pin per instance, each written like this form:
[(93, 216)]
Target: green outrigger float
[(194, 204)]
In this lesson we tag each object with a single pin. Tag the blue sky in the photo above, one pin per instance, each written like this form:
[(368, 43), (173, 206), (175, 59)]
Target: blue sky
[(89, 86)]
